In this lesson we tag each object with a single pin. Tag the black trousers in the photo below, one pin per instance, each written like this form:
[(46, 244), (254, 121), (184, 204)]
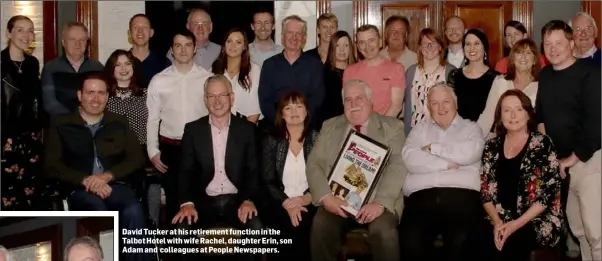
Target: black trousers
[(280, 220), (451, 212), (170, 156), (222, 211)]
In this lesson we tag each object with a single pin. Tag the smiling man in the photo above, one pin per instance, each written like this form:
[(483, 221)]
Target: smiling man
[(585, 32), (443, 157), (140, 32), (386, 78), (397, 31), (83, 249), (263, 47), (381, 214)]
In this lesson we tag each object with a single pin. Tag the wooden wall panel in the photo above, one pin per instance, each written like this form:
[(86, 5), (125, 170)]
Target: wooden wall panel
[(322, 7), (51, 27), (87, 13), (420, 14), (487, 16), (523, 12)]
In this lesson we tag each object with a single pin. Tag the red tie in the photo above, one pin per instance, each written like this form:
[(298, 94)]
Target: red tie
[(358, 128)]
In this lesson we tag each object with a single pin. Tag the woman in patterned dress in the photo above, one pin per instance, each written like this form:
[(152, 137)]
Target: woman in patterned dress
[(430, 70), (125, 95), (21, 121), (520, 183)]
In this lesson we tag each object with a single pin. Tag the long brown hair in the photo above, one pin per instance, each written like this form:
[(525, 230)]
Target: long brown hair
[(221, 63), (110, 72), (332, 49), (519, 47), (293, 97), (433, 36), (525, 101)]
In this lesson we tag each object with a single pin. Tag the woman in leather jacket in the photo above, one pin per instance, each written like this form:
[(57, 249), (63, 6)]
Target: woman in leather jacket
[(21, 122)]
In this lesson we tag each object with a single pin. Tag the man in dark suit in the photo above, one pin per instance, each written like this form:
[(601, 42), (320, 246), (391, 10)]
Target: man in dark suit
[(218, 176)]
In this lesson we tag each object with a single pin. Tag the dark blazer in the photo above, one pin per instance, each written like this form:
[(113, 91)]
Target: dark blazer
[(197, 165), (70, 148), (275, 151)]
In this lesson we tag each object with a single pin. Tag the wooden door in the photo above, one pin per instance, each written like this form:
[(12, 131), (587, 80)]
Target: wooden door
[(421, 15), (487, 16), (593, 8)]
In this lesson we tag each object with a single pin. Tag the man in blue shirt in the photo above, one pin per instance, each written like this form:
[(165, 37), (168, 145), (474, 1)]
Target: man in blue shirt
[(291, 70)]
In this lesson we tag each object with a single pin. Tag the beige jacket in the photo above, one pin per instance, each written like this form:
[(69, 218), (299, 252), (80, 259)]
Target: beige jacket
[(383, 129)]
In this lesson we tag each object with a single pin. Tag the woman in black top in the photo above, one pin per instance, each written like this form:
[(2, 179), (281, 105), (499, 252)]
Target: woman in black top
[(473, 81), (125, 95), (21, 121), (520, 184), (340, 55)]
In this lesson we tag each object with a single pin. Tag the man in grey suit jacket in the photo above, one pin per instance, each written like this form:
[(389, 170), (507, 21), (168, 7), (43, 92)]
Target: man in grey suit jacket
[(381, 214)]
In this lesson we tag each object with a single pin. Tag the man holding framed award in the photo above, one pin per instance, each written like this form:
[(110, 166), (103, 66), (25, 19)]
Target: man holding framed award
[(355, 174)]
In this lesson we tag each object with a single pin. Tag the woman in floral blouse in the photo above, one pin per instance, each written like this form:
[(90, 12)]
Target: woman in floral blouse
[(520, 182)]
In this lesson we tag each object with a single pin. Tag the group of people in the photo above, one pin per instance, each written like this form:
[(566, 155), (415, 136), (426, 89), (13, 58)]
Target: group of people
[(246, 134)]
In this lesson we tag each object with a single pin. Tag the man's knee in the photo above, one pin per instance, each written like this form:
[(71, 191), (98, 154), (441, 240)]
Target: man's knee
[(384, 228), (85, 200), (324, 221), (254, 223)]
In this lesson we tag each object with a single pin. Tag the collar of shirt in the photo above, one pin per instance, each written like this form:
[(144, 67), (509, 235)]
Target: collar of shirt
[(203, 46), (195, 68), (385, 53), (453, 123), (274, 47), (363, 129), (214, 125), (459, 52), (589, 52)]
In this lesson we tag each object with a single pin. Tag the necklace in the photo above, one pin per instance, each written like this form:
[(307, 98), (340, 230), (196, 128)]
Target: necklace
[(514, 145), (18, 67), (124, 92)]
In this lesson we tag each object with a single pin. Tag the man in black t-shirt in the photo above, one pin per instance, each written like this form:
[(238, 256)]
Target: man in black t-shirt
[(568, 110)]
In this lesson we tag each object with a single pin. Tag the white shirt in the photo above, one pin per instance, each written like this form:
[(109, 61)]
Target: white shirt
[(246, 102), (499, 86), (293, 175), (461, 143), (174, 99), (456, 58)]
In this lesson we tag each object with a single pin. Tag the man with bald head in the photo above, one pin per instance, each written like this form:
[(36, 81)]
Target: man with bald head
[(455, 29), (199, 22), (381, 214), (443, 156), (585, 32)]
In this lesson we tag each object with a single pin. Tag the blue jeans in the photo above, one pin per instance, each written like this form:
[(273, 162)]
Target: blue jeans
[(122, 199)]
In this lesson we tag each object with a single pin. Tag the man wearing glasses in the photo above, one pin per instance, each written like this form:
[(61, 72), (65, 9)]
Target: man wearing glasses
[(218, 178), (263, 47), (199, 22), (454, 32), (585, 32), (174, 99)]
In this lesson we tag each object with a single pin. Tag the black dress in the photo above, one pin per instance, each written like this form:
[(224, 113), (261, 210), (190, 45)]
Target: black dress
[(333, 99), (472, 93), (22, 122)]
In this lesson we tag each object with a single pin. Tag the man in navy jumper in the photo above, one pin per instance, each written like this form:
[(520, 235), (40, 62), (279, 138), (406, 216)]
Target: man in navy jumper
[(585, 32)]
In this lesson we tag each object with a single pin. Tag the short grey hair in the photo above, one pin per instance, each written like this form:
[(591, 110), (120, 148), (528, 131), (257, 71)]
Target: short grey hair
[(443, 85), (355, 82), (85, 241), (217, 78), (586, 16), (7, 255), (297, 18)]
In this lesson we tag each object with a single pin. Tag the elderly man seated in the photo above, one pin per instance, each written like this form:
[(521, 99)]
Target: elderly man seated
[(92, 151), (443, 157), (381, 214)]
